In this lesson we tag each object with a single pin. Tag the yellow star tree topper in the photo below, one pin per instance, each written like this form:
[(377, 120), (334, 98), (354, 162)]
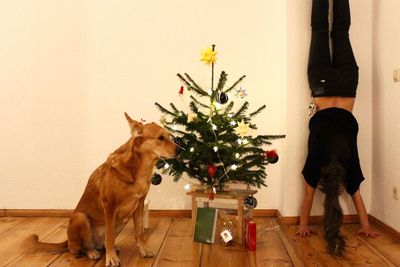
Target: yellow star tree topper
[(209, 56)]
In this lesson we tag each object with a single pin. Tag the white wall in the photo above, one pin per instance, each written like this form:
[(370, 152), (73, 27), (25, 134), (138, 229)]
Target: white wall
[(386, 112), (44, 136), (69, 69)]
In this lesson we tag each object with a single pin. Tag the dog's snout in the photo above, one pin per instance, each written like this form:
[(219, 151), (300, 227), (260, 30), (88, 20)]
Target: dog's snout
[(174, 148), (179, 145)]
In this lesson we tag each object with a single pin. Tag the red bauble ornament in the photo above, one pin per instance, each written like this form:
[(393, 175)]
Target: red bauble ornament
[(272, 156), (211, 169), (181, 90)]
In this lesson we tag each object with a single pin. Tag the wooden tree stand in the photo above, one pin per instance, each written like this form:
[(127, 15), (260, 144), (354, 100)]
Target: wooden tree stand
[(237, 194)]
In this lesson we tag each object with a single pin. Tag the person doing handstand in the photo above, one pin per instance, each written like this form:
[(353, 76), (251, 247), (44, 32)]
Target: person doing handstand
[(332, 160)]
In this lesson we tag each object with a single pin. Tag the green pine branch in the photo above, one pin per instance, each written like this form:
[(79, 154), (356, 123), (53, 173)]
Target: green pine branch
[(164, 110), (241, 110), (193, 107), (222, 81), (188, 85), (229, 107), (196, 87), (257, 111), (199, 103), (236, 83)]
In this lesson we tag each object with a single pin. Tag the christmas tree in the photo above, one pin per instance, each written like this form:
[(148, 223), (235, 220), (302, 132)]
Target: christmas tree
[(215, 145)]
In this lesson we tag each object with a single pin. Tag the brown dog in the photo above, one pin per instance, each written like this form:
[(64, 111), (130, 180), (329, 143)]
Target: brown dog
[(116, 190)]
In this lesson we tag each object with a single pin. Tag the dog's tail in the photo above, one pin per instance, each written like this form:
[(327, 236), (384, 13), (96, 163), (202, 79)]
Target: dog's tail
[(33, 245)]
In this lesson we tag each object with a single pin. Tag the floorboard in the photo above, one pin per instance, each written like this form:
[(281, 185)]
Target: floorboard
[(171, 241), (178, 248), (7, 223), (11, 240), (270, 249), (153, 238), (39, 259), (385, 246)]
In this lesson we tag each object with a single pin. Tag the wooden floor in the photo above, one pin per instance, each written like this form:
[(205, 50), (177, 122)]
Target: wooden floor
[(171, 240)]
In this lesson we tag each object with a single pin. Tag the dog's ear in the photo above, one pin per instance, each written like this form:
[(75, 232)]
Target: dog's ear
[(136, 127)]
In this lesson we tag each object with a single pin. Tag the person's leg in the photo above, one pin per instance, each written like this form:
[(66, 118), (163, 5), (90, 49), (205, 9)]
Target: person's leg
[(342, 50), (319, 47)]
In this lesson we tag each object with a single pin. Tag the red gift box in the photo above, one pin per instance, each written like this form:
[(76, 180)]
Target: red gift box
[(251, 234)]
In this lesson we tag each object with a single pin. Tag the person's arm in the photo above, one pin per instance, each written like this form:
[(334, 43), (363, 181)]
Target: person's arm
[(304, 230), (363, 216)]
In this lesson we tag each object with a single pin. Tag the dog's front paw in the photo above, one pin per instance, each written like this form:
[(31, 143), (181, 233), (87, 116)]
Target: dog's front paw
[(112, 259), (145, 253), (93, 254)]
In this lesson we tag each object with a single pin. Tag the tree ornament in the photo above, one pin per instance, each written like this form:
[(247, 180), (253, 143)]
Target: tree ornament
[(222, 98), (156, 179), (272, 156), (211, 169), (209, 56), (241, 92), (242, 129), (181, 90), (250, 202), (191, 117)]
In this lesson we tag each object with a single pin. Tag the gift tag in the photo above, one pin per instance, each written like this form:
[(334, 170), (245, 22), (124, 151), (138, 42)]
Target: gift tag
[(226, 236)]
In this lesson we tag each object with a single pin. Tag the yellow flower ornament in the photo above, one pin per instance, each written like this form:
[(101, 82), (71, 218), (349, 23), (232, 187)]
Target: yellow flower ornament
[(208, 56)]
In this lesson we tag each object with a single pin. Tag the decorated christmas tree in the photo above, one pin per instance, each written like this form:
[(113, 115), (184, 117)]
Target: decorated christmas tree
[(214, 139)]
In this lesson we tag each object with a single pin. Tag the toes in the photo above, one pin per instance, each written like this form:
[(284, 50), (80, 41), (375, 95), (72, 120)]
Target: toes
[(112, 260), (146, 253), (93, 254)]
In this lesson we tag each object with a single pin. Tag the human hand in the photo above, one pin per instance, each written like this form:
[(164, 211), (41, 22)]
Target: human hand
[(367, 232), (304, 231)]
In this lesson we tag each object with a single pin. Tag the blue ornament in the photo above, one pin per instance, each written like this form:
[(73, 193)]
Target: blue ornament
[(222, 98), (250, 202)]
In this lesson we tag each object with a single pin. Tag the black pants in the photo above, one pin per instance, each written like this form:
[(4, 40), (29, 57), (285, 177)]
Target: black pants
[(337, 76)]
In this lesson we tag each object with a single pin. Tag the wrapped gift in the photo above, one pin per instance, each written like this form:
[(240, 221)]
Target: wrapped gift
[(227, 227), (251, 234)]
